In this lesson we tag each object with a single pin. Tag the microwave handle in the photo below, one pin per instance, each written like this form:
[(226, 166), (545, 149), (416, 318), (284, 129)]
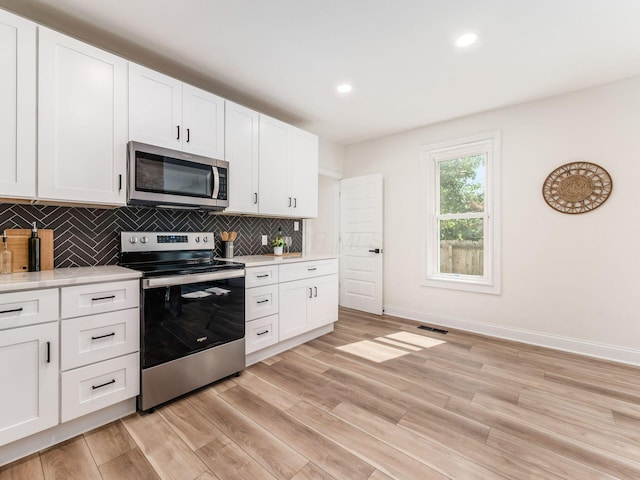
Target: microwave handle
[(216, 182)]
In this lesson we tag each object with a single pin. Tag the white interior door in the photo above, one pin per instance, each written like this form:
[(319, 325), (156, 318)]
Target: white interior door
[(361, 236)]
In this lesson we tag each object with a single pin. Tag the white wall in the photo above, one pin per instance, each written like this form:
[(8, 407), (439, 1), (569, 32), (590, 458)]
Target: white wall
[(569, 281), (321, 233)]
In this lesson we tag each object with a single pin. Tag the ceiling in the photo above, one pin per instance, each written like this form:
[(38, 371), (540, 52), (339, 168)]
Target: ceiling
[(286, 57)]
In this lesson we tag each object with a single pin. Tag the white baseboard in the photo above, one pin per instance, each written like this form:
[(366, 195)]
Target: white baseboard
[(582, 347)]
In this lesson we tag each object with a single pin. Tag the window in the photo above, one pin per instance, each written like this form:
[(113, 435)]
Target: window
[(462, 215)]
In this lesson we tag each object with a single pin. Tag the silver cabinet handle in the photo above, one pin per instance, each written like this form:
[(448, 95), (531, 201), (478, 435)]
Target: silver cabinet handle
[(255, 197), (310, 292), (315, 291), (289, 201), (295, 202)]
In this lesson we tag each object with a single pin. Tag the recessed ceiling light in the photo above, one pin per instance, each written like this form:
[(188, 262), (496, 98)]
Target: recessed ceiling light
[(344, 88), (466, 40)]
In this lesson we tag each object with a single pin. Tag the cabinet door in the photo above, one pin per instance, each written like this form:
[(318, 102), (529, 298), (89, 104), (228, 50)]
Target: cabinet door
[(18, 112), (323, 307), (275, 197), (293, 308), (82, 121), (303, 164), (155, 108), (203, 122), (29, 400), (241, 145)]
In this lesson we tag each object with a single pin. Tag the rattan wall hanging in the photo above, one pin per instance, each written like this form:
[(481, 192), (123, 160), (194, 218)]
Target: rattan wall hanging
[(577, 187)]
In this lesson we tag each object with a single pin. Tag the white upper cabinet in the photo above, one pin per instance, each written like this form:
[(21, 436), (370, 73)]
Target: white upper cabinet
[(18, 112), (288, 170), (275, 195), (165, 112), (155, 108), (82, 122), (303, 165), (241, 151), (203, 122)]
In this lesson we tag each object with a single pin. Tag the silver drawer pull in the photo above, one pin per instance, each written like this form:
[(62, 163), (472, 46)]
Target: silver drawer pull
[(262, 276), (263, 301), (311, 269), (112, 334), (95, 387), (12, 311), (262, 333), (95, 299)]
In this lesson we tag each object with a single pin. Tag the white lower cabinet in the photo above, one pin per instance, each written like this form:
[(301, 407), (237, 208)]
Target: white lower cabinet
[(307, 304), (261, 333), (29, 374), (87, 389), (99, 355), (54, 368), (288, 301)]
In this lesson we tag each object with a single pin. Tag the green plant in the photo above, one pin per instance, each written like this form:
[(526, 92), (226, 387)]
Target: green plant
[(278, 242)]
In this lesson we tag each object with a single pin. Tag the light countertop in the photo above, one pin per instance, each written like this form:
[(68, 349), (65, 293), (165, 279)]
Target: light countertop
[(263, 260), (62, 277)]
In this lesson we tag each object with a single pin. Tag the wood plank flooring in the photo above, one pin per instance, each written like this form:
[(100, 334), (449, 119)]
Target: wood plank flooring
[(398, 404)]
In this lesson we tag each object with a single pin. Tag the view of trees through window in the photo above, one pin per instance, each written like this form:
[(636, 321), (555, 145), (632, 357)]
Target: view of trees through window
[(461, 214)]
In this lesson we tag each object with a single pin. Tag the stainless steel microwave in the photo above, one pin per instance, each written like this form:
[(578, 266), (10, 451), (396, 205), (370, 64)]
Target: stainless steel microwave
[(168, 178)]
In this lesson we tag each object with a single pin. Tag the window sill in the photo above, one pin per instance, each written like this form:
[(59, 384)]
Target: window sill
[(462, 284)]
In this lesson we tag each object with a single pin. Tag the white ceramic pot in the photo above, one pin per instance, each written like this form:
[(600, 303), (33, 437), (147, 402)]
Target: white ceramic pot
[(277, 250)]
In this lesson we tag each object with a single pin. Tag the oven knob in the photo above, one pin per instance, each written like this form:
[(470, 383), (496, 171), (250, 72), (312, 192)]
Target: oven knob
[(144, 240), (133, 240), (205, 239), (197, 239)]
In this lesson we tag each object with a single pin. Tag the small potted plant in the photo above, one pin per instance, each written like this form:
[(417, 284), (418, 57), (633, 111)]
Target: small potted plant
[(278, 244)]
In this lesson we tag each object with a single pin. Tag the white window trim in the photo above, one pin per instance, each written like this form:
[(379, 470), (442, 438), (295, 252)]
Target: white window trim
[(491, 281)]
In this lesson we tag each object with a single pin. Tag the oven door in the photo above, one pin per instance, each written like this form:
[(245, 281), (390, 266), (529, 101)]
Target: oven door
[(186, 314)]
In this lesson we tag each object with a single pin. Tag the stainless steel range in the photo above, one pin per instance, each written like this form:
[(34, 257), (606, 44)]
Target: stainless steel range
[(192, 321)]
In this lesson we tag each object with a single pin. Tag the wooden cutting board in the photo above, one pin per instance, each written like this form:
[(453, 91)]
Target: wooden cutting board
[(17, 242)]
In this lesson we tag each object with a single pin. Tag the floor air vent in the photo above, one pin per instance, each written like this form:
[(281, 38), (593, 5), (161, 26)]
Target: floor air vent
[(432, 329)]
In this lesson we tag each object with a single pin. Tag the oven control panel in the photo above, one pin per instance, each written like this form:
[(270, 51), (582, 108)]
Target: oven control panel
[(159, 241)]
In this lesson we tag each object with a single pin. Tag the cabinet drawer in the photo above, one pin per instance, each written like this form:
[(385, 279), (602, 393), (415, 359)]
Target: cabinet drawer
[(261, 333), (99, 298), (258, 276), (87, 389), (95, 338), (298, 271), (18, 309), (261, 301)]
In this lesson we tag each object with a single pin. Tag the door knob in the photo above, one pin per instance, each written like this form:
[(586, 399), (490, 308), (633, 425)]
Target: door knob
[(375, 250)]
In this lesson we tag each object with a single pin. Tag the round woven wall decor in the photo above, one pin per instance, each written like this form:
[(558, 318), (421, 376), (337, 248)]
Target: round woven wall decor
[(577, 187)]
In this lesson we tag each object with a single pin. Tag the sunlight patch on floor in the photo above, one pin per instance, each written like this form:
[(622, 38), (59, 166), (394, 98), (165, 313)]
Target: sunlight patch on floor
[(413, 348), (373, 351), (413, 339)]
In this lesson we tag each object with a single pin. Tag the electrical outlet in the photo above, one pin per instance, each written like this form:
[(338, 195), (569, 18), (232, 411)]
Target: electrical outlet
[(296, 226), (264, 240)]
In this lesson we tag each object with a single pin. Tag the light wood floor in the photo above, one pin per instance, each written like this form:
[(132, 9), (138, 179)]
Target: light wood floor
[(470, 408)]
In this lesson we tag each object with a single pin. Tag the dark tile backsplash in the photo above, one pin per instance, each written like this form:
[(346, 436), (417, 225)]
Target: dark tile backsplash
[(90, 236)]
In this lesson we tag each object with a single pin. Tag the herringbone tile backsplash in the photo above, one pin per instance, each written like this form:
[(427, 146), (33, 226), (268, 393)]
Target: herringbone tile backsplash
[(90, 236)]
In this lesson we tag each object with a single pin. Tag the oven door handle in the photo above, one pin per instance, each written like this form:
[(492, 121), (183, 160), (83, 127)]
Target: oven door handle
[(187, 279)]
